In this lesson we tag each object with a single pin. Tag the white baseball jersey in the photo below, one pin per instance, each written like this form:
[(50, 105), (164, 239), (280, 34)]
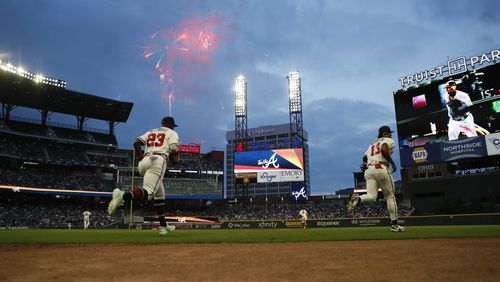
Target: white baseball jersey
[(460, 95), (161, 140), (303, 214), (460, 122), (86, 215), (374, 151), (380, 176)]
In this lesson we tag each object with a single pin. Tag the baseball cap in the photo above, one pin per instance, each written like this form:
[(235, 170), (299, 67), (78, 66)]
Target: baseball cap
[(169, 120), (451, 82), (384, 128)]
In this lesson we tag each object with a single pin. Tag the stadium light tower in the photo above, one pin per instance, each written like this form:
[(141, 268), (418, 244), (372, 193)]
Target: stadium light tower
[(241, 125), (295, 108)]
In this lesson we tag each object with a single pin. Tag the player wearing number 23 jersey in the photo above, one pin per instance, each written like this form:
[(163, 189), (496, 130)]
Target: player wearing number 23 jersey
[(377, 162), (160, 144), (162, 140)]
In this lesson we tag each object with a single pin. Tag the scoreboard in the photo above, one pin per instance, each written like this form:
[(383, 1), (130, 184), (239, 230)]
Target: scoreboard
[(423, 118)]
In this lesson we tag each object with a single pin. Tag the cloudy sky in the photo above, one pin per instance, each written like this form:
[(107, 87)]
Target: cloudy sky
[(350, 55)]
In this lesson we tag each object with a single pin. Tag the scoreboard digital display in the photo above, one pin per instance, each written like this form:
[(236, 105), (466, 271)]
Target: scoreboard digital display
[(429, 113), (267, 161)]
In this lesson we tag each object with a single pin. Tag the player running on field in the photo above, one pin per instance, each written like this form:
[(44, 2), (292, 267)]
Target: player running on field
[(303, 217), (376, 163), (86, 219), (161, 144)]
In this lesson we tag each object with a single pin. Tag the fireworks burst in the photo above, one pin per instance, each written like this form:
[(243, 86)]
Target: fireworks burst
[(183, 53)]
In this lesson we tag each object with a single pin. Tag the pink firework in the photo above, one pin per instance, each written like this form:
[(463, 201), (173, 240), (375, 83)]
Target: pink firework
[(182, 54)]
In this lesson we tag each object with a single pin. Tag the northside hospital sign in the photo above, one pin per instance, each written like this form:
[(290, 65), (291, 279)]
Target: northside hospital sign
[(454, 66)]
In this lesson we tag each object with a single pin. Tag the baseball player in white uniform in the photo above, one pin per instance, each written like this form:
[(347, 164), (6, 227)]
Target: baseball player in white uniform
[(376, 162), (461, 120), (160, 144), (303, 217), (86, 219)]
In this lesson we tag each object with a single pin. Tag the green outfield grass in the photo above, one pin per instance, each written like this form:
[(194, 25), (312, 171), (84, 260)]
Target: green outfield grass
[(61, 236)]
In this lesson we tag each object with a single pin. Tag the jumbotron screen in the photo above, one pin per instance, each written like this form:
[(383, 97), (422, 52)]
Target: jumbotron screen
[(454, 108), (282, 165)]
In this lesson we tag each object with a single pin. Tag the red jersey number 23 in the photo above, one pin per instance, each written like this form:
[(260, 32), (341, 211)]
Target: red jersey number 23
[(155, 140)]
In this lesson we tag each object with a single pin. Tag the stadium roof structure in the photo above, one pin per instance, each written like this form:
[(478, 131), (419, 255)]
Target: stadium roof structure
[(20, 91)]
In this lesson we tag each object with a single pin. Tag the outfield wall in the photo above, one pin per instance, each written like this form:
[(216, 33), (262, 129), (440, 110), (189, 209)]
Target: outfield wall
[(432, 220), (463, 219)]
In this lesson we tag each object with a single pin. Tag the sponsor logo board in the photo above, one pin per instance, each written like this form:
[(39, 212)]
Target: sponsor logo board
[(293, 224), (464, 148), (280, 176), (328, 223), (493, 144), (420, 155)]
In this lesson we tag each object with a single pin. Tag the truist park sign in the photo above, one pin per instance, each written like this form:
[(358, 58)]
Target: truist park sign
[(454, 66)]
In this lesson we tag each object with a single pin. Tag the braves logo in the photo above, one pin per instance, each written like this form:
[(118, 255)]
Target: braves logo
[(272, 161), (300, 193)]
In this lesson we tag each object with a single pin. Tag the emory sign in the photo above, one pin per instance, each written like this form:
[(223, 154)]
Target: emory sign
[(280, 176)]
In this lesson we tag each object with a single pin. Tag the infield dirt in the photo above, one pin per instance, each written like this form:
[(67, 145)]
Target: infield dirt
[(375, 260)]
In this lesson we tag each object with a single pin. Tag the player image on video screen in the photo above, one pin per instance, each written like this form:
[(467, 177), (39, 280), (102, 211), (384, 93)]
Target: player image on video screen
[(461, 106), (461, 120)]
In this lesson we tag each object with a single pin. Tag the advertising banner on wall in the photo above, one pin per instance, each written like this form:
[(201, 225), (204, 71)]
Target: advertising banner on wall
[(472, 147), (280, 176), (493, 144), (420, 155)]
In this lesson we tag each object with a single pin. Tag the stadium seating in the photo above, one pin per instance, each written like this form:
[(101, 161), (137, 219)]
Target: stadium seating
[(39, 211)]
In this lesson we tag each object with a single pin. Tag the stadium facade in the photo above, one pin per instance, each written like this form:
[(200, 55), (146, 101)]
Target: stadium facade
[(268, 137)]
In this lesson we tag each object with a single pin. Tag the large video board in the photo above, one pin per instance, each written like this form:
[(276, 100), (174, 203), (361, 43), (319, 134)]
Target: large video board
[(285, 165), (461, 106)]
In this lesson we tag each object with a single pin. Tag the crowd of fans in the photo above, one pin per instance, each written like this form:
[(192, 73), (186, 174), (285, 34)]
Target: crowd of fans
[(48, 152), (32, 211), (56, 178), (62, 216), (21, 211), (323, 210)]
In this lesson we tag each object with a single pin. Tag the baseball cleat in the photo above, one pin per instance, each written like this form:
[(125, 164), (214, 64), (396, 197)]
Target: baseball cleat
[(353, 202), (397, 228), (165, 230), (116, 201)]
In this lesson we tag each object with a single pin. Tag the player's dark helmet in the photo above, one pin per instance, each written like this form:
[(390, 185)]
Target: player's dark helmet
[(384, 129), (168, 122)]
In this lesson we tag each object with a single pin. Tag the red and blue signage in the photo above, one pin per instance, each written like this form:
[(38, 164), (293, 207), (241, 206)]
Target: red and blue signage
[(272, 160)]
